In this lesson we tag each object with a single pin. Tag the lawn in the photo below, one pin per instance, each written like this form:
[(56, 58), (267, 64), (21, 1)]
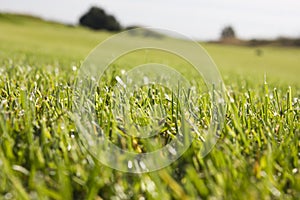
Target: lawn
[(42, 157)]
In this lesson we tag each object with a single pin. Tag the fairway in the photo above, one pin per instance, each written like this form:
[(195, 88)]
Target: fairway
[(41, 156)]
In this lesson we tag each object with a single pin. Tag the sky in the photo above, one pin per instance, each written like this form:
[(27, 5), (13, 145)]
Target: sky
[(198, 19)]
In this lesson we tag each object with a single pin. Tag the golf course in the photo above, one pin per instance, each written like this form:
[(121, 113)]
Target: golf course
[(257, 155)]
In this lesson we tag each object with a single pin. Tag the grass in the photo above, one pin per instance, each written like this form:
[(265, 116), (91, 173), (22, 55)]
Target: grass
[(41, 157)]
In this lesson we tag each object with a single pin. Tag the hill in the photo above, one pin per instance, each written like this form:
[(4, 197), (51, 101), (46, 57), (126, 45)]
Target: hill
[(51, 42)]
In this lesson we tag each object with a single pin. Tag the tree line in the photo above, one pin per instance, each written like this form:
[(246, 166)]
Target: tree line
[(97, 19)]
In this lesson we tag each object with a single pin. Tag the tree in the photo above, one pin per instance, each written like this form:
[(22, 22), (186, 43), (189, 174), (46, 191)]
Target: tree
[(97, 19), (227, 32)]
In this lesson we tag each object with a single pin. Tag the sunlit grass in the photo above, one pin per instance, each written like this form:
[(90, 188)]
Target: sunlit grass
[(41, 155)]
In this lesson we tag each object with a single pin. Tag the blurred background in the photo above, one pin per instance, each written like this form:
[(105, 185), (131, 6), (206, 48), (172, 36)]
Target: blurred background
[(255, 37), (198, 19)]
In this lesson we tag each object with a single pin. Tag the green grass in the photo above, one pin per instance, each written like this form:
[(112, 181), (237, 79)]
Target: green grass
[(41, 157), (279, 63)]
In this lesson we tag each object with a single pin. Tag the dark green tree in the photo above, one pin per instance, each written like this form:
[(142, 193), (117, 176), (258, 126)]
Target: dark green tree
[(227, 32), (97, 19)]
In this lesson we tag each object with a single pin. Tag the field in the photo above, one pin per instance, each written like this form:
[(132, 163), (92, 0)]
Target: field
[(256, 157)]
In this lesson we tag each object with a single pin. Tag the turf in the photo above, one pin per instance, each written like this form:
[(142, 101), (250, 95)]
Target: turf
[(41, 157)]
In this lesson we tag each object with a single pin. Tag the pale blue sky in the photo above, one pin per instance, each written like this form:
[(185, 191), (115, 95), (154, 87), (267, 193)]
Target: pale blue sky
[(200, 19)]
